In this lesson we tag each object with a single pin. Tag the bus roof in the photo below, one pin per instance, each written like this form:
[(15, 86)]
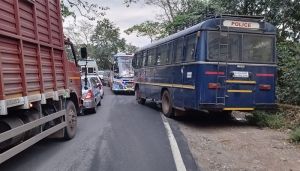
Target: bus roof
[(213, 23)]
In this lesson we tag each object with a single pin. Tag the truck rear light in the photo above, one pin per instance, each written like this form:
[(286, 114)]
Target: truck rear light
[(265, 87), (89, 95), (214, 85)]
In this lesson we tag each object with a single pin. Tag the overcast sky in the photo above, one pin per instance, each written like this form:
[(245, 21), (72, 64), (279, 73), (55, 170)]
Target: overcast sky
[(125, 17)]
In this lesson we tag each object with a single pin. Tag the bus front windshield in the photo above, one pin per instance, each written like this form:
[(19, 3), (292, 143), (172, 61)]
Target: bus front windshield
[(240, 47), (125, 68)]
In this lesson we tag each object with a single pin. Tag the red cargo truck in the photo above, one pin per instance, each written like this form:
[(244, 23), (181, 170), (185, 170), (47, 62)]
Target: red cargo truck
[(40, 89)]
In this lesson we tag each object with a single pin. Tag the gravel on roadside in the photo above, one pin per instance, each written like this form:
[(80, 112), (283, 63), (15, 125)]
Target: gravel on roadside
[(234, 145)]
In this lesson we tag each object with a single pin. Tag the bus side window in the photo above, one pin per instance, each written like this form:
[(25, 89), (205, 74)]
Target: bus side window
[(191, 47), (151, 57), (134, 61), (170, 52), (179, 50), (158, 57), (145, 58), (164, 54), (139, 60)]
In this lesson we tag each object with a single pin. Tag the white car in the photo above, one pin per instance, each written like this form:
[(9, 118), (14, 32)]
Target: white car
[(91, 96), (99, 83)]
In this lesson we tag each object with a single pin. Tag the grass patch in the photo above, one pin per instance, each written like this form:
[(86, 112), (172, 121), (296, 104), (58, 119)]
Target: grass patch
[(270, 119), (295, 135), (285, 117)]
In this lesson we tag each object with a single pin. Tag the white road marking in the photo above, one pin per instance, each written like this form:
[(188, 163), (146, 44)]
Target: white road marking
[(174, 146)]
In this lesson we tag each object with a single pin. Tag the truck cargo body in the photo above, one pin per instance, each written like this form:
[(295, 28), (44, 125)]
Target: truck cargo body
[(38, 85)]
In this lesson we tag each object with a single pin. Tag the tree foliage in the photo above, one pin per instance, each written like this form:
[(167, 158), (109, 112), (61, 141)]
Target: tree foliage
[(178, 14), (148, 28), (288, 72), (106, 41), (86, 9)]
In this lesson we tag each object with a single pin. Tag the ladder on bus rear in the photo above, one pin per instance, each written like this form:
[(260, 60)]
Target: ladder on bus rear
[(222, 68)]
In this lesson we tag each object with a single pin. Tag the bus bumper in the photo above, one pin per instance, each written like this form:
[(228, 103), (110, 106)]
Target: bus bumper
[(216, 107)]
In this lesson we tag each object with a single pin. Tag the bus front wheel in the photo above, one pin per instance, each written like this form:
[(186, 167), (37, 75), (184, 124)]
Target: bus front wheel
[(139, 98), (166, 104)]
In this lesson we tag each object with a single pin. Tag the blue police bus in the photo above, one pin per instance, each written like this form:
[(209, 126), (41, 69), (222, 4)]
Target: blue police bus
[(222, 64)]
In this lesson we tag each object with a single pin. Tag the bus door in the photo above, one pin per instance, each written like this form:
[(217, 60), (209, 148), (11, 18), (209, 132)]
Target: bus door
[(178, 93), (178, 73), (236, 81)]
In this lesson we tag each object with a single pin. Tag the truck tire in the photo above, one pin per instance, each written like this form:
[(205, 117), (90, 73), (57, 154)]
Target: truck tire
[(167, 104), (71, 119)]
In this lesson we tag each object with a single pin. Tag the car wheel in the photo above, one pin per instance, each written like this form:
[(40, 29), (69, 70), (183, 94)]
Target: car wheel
[(99, 104), (93, 110), (71, 119), (166, 104), (138, 97)]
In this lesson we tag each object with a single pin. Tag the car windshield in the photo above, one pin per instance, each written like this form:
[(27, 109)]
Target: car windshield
[(96, 80), (240, 47)]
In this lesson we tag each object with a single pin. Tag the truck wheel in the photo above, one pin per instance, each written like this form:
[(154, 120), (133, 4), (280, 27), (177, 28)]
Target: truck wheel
[(139, 99), (71, 119), (166, 104)]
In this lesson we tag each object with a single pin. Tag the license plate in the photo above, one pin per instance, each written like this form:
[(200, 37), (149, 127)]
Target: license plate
[(240, 74)]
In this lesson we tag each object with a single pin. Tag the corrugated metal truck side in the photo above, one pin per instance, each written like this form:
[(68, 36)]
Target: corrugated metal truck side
[(39, 88)]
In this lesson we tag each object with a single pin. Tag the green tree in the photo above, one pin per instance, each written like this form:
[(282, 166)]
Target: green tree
[(285, 15), (86, 9), (288, 88), (106, 41), (150, 29), (176, 15), (129, 48)]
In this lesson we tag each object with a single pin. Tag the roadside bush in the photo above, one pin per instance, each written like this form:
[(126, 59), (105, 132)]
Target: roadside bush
[(288, 89), (273, 120), (295, 135)]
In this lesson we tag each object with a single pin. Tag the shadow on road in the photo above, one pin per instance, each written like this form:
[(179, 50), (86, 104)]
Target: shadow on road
[(124, 93), (205, 120)]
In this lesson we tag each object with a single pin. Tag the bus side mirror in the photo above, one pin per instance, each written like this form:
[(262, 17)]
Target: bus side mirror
[(83, 52)]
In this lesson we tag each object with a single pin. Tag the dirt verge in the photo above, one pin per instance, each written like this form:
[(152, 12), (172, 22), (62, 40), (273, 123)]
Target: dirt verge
[(234, 145)]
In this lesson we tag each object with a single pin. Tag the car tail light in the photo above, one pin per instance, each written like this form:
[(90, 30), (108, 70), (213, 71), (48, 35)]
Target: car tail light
[(265, 87), (214, 85), (89, 95)]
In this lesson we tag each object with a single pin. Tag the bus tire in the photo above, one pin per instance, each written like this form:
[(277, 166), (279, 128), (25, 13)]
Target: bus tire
[(71, 119), (139, 99), (166, 104)]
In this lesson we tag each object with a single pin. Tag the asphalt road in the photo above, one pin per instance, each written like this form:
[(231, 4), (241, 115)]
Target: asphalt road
[(121, 136)]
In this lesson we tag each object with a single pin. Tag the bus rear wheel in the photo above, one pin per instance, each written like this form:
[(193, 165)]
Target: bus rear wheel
[(166, 104), (139, 99)]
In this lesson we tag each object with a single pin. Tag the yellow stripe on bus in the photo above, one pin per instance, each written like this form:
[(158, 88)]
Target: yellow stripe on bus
[(169, 85), (233, 108), (241, 81), (239, 91)]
